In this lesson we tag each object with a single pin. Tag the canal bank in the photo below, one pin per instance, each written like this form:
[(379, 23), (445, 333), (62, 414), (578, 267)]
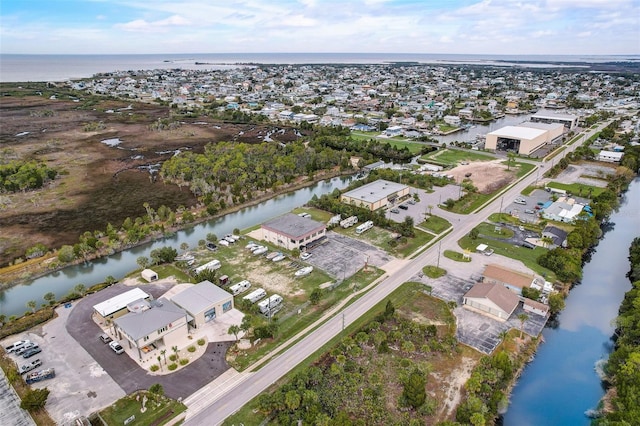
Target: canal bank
[(13, 300), (562, 383)]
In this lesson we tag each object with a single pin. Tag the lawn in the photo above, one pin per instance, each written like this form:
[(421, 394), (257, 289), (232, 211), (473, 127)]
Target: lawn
[(159, 410), (578, 189), (492, 230), (435, 224), (380, 237), (454, 156), (527, 256), (457, 256), (433, 272)]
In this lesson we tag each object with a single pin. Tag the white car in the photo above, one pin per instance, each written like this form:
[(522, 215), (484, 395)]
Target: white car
[(17, 345), (305, 255), (116, 347)]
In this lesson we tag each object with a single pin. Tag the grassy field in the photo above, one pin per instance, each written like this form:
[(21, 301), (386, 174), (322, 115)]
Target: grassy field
[(491, 230), (578, 189), (435, 224), (452, 157), (411, 304), (457, 256), (159, 410), (527, 256), (381, 237)]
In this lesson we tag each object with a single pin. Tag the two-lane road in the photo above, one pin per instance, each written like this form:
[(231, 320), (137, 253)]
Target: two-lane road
[(259, 381)]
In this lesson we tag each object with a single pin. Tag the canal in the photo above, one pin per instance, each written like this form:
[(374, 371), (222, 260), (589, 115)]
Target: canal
[(13, 300), (562, 383)]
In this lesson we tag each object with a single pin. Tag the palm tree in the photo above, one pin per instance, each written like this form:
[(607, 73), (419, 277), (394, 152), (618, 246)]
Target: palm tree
[(184, 246), (175, 351), (31, 304), (80, 289), (163, 352), (430, 207), (523, 318), (159, 358), (510, 157), (234, 329), (50, 298), (546, 241)]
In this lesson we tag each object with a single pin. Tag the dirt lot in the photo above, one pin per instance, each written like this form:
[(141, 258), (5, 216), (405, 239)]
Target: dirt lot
[(485, 175), (98, 183)]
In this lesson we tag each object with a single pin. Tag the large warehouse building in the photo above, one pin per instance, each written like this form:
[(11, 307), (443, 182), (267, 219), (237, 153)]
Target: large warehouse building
[(375, 195), (568, 121), (524, 138)]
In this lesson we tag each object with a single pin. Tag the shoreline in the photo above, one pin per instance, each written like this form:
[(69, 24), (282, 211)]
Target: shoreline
[(39, 264)]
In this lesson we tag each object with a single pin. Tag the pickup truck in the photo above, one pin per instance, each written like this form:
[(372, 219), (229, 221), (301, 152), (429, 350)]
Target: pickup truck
[(30, 366)]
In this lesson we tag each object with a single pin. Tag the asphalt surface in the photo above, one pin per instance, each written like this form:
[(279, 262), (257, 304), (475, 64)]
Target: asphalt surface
[(124, 370), (11, 413)]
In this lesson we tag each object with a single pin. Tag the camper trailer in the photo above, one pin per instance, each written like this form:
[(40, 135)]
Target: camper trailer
[(364, 227), (269, 305), (209, 266), (255, 295), (350, 221), (241, 287)]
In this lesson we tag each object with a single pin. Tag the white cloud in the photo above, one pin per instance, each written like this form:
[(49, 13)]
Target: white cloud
[(162, 25)]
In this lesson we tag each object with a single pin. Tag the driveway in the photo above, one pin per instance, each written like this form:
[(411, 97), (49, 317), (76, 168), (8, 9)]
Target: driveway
[(125, 371)]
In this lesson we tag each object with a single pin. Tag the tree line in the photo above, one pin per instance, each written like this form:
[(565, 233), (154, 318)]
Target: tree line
[(623, 366)]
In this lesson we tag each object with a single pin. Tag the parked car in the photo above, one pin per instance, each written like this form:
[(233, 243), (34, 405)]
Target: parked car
[(529, 211), (211, 246), (31, 352), (528, 245), (305, 255), (115, 346), (411, 201), (29, 366), (394, 210), (105, 338), (520, 201), (403, 207), (24, 348), (17, 345)]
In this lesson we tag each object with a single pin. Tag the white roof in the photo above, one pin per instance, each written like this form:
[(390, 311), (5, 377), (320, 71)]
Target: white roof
[(517, 132), (120, 301), (611, 154), (375, 191), (482, 247)]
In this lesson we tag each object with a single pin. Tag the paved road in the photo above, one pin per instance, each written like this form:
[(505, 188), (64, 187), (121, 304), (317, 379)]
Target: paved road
[(233, 400)]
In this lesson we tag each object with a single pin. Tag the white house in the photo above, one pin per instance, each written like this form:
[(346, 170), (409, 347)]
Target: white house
[(610, 156)]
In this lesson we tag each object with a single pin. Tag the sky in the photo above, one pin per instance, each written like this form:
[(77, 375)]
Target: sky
[(531, 27)]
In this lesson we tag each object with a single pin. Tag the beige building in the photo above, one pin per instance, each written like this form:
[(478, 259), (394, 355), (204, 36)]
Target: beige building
[(493, 300), (155, 324), (513, 280), (523, 140), (292, 231), (203, 302), (375, 195)]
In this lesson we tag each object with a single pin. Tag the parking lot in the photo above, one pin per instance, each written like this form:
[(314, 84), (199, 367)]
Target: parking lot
[(473, 329), (417, 211), (343, 256)]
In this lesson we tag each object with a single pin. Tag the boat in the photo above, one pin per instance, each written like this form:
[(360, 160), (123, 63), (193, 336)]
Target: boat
[(273, 254), (186, 257), (224, 243), (304, 271), (279, 257), (261, 250), (257, 247)]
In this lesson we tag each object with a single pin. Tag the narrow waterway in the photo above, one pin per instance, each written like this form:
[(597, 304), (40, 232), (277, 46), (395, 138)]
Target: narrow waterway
[(469, 135), (13, 300), (562, 382)]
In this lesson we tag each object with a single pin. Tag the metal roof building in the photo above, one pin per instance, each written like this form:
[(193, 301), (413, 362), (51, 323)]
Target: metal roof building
[(292, 231), (375, 195)]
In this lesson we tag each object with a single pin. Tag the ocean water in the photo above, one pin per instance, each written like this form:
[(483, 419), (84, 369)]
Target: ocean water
[(17, 68)]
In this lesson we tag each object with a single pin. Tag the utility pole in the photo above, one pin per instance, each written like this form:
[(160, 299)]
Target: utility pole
[(343, 321), (438, 262), (501, 201)]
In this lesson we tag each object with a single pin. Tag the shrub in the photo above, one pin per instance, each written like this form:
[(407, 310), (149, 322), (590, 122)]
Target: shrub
[(157, 389), (191, 349), (173, 357), (154, 367), (184, 361), (201, 342), (172, 367)]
